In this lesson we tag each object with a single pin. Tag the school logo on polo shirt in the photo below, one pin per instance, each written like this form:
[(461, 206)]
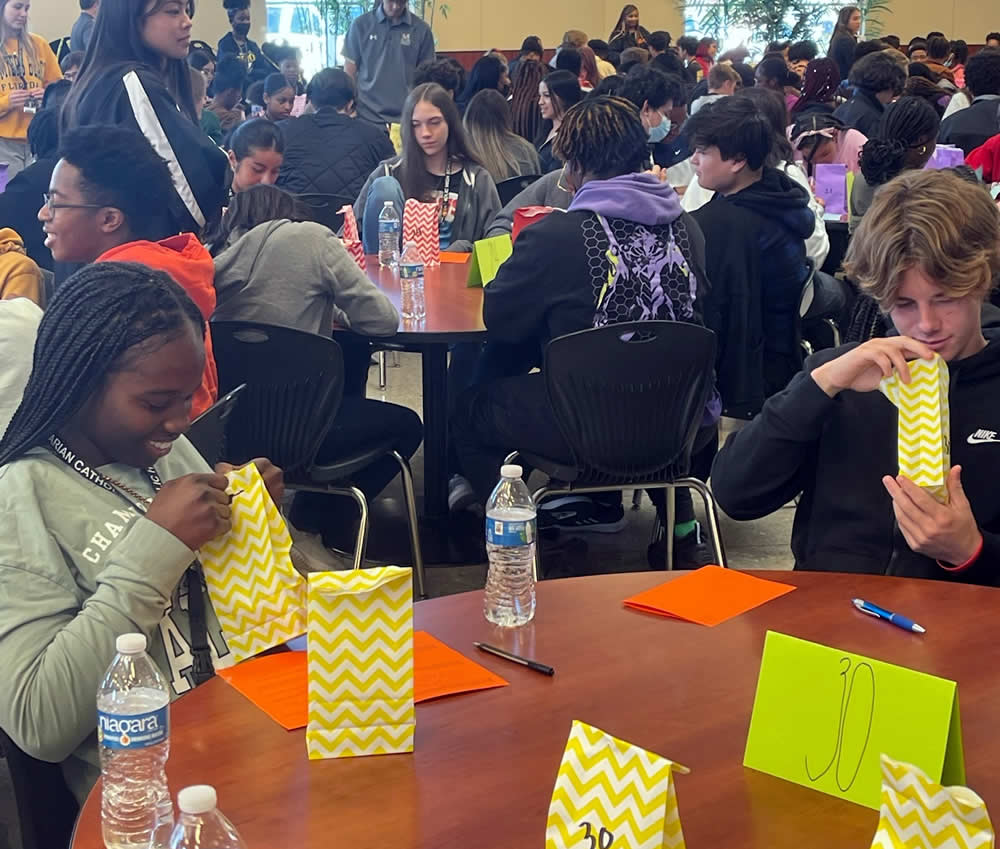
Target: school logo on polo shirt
[(404, 39)]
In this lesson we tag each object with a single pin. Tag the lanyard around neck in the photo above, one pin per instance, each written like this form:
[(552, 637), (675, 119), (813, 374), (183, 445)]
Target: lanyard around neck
[(88, 473)]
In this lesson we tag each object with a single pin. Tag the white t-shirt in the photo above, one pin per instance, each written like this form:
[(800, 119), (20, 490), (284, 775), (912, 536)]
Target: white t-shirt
[(19, 319)]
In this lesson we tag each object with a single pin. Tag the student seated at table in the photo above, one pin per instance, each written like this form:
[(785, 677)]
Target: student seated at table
[(275, 265), (230, 78), (972, 127), (93, 212), (555, 284), (256, 152), (755, 230), (492, 140), (329, 151), (91, 546), (820, 81), (557, 92), (928, 252), (436, 166), (722, 82), (822, 139), (903, 141), (877, 79), (277, 97)]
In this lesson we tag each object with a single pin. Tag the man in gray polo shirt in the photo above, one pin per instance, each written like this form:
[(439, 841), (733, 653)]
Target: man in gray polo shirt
[(381, 52)]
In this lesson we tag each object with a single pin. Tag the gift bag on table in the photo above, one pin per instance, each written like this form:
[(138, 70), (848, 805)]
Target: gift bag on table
[(259, 598), (610, 793), (527, 215), (352, 241), (918, 813), (360, 655), (420, 226), (924, 434)]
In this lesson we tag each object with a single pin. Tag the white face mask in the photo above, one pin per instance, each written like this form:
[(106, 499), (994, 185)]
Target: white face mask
[(660, 131)]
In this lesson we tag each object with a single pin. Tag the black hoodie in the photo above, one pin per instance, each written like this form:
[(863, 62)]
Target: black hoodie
[(835, 451), (756, 262)]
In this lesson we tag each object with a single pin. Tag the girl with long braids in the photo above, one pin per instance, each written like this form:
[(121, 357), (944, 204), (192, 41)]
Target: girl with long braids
[(103, 504), (627, 32), (906, 138)]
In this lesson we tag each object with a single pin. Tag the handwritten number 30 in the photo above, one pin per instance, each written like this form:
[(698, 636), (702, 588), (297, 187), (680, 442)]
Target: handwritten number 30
[(603, 840), (847, 691)]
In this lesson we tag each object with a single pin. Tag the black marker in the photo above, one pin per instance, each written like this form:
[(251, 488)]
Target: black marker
[(513, 658)]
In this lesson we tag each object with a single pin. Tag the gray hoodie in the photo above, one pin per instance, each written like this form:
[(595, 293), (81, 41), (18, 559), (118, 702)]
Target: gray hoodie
[(478, 202), (79, 567), (298, 274), (544, 191)]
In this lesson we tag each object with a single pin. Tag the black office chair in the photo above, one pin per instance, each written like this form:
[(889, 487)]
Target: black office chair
[(294, 385), (326, 208), (44, 809), (629, 399), (208, 432), (510, 189)]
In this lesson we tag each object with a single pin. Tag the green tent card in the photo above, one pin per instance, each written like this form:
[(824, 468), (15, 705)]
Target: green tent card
[(822, 718)]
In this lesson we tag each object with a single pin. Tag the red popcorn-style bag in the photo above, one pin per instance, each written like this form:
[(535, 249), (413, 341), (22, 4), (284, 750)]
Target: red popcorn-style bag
[(420, 225), (526, 216), (352, 241)]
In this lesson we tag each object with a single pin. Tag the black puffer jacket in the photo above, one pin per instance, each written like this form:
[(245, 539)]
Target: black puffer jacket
[(330, 153)]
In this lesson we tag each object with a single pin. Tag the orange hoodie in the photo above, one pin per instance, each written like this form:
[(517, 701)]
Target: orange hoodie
[(185, 259)]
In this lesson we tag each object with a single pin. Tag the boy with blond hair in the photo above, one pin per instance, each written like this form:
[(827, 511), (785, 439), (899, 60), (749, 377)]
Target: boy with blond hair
[(928, 253)]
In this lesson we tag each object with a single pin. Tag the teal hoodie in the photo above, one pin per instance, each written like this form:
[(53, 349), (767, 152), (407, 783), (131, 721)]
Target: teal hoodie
[(79, 567)]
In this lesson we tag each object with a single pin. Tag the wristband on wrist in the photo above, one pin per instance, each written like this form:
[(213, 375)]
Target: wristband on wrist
[(961, 566)]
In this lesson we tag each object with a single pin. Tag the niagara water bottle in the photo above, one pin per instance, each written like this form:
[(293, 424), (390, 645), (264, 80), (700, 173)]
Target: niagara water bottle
[(388, 236), (411, 283), (510, 544), (133, 733), (201, 824)]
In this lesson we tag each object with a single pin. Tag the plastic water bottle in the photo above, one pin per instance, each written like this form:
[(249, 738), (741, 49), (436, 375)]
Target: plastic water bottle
[(510, 545), (411, 283), (388, 236), (201, 824), (133, 732)]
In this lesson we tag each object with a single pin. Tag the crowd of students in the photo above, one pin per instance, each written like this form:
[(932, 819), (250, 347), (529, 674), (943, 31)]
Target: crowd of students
[(168, 185)]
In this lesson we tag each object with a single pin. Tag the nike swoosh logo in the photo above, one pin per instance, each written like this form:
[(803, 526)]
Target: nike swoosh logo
[(976, 440)]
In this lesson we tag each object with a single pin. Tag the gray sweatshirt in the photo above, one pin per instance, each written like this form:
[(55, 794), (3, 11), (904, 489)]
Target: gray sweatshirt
[(543, 192), (79, 567), (478, 202), (298, 274)]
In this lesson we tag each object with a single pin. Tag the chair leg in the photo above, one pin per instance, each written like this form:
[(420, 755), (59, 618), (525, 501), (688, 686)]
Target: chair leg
[(411, 520), (668, 531), (537, 496), (711, 513), (636, 499), (394, 359), (382, 377), (833, 330), (361, 544)]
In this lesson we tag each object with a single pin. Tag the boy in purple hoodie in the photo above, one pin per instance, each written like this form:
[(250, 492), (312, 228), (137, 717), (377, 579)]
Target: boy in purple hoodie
[(557, 282)]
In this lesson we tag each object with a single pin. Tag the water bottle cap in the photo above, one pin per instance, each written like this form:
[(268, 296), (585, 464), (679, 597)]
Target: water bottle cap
[(131, 644), (511, 471), (387, 203), (198, 799)]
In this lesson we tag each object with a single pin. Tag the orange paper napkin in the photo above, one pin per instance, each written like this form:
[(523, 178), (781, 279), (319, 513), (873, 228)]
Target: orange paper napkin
[(708, 596), (456, 257), (278, 683)]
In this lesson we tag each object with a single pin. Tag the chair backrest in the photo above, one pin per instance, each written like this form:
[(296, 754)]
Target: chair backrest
[(510, 189), (44, 809), (294, 383), (208, 432), (326, 208), (629, 398)]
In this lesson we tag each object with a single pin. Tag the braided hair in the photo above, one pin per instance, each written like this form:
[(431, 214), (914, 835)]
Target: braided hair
[(906, 133), (96, 317), (603, 136)]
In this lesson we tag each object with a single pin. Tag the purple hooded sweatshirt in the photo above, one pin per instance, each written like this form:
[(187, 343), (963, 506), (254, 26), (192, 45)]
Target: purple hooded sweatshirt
[(641, 198)]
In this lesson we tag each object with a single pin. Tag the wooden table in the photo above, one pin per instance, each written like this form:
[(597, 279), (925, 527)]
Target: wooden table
[(454, 314), (482, 773)]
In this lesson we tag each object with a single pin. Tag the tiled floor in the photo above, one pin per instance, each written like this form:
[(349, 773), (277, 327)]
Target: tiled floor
[(762, 544)]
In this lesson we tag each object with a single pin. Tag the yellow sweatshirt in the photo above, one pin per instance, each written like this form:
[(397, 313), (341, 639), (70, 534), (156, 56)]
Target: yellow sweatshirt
[(19, 276), (37, 73)]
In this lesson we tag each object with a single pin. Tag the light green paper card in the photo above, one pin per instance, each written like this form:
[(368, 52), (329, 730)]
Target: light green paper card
[(822, 718), (487, 257)]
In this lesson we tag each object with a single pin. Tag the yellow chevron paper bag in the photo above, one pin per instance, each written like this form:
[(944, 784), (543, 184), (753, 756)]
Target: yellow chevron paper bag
[(918, 813), (924, 438), (360, 663), (610, 793), (259, 598)]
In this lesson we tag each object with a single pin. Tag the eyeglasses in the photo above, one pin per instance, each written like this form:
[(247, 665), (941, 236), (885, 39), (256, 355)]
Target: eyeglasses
[(52, 206)]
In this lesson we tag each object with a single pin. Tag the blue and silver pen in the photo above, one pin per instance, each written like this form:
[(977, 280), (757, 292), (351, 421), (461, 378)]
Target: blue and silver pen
[(895, 618)]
